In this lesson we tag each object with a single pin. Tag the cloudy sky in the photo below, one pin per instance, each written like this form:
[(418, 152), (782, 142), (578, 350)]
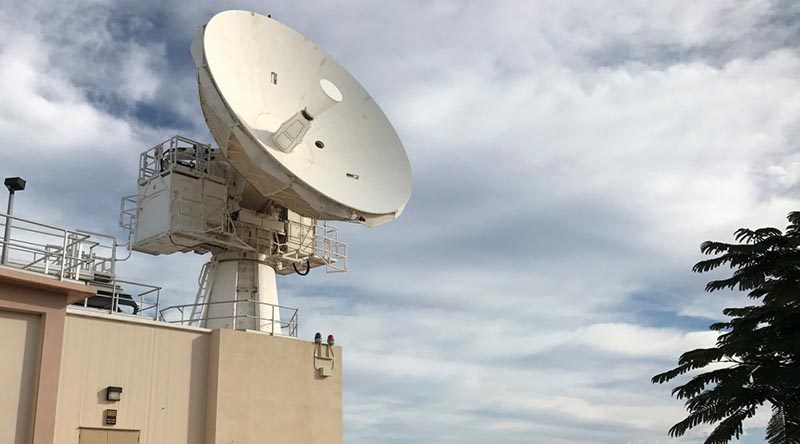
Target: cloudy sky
[(568, 156)]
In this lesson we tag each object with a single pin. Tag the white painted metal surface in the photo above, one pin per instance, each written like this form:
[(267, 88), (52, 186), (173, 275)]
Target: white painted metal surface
[(190, 199), (174, 204), (256, 74), (253, 283)]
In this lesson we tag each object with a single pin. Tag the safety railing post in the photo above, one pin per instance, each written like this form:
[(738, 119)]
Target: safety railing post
[(63, 256), (233, 316), (158, 301), (114, 296)]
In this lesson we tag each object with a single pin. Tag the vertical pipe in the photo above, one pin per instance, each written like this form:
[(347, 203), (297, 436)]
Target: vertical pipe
[(7, 234)]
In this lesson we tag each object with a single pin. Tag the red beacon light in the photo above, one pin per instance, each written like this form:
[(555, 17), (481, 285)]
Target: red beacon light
[(331, 340)]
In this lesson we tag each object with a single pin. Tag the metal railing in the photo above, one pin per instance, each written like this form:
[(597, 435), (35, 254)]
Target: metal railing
[(82, 256), (197, 315), (58, 252), (125, 297), (318, 243), (177, 153), (335, 251), (127, 214)]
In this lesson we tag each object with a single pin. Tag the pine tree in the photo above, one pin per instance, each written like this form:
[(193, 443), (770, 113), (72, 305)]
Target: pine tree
[(756, 361)]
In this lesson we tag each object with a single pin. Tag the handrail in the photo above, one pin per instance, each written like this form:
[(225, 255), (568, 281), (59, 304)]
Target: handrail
[(142, 306), (56, 251), (199, 317), (47, 254), (78, 255)]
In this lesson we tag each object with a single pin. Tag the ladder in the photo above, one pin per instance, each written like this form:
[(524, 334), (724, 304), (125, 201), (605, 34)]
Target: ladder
[(204, 283)]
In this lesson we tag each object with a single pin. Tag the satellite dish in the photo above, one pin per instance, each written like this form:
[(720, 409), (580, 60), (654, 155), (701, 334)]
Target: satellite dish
[(300, 129), (300, 141)]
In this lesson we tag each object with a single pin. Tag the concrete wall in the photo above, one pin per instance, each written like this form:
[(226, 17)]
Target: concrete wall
[(163, 372), (192, 386), (46, 298), (265, 389), (21, 335)]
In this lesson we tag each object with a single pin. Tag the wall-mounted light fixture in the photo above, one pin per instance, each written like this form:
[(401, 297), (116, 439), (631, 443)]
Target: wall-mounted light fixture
[(113, 393)]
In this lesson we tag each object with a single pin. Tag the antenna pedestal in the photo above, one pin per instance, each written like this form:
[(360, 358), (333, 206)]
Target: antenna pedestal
[(242, 293)]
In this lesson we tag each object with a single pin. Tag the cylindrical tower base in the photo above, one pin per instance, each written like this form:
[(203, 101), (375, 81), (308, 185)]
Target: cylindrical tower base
[(243, 294)]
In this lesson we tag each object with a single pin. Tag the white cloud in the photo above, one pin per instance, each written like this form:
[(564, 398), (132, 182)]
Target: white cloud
[(636, 340), (788, 177), (140, 80), (42, 109)]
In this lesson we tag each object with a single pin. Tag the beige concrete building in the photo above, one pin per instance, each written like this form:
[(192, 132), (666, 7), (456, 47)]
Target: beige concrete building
[(178, 384)]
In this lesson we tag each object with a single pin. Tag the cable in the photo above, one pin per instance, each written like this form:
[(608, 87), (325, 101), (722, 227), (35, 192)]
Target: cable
[(308, 268)]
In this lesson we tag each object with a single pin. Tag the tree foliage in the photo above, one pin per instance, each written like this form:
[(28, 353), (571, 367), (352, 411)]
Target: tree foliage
[(756, 360)]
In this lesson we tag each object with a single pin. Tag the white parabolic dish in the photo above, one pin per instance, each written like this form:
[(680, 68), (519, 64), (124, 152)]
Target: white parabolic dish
[(254, 74)]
